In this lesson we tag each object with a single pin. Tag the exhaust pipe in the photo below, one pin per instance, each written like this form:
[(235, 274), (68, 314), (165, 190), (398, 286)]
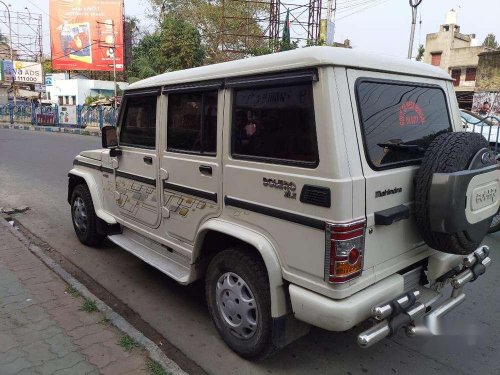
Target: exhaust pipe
[(384, 311), (383, 329)]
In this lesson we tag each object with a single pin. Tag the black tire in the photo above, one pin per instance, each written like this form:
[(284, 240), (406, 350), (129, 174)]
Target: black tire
[(88, 234), (252, 271), (450, 152)]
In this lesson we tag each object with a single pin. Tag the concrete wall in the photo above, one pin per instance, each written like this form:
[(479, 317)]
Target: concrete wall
[(488, 71)]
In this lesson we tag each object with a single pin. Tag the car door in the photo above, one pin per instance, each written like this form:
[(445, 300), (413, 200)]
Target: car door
[(136, 193), (190, 164)]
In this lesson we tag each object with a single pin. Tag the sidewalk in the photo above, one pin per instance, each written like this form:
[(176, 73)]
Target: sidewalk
[(92, 131), (43, 329)]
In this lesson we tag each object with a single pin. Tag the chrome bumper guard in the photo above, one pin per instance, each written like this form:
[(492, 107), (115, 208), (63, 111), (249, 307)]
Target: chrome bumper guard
[(404, 310)]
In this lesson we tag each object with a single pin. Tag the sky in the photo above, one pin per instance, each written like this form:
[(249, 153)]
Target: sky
[(380, 26)]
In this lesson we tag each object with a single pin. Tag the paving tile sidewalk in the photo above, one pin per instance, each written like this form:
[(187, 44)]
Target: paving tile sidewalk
[(42, 327)]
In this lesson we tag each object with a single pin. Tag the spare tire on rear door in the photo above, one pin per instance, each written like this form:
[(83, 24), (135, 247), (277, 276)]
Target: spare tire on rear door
[(456, 192)]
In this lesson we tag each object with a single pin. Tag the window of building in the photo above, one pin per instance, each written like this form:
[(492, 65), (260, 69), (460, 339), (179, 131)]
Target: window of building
[(399, 120), (48, 95), (455, 75), (436, 58), (138, 127), (60, 100), (192, 122), (470, 74), (73, 100), (275, 125)]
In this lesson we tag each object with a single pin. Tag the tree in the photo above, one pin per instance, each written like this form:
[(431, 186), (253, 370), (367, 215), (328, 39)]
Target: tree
[(490, 41), (175, 45), (130, 35), (420, 53), (47, 65), (233, 24)]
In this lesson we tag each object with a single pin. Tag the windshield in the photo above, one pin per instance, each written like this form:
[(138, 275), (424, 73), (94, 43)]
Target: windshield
[(399, 120)]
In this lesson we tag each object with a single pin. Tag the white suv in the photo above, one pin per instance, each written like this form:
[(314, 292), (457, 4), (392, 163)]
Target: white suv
[(319, 186)]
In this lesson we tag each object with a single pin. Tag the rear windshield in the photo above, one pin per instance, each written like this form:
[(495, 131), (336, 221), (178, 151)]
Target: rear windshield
[(399, 120)]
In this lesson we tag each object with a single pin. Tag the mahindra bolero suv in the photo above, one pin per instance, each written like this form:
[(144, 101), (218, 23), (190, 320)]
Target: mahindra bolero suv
[(319, 186)]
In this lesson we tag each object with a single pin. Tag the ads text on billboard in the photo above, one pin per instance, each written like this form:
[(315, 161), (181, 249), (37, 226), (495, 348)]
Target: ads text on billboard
[(84, 32)]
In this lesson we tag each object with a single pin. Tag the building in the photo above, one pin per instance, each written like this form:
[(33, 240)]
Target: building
[(488, 82), (64, 91), (456, 53)]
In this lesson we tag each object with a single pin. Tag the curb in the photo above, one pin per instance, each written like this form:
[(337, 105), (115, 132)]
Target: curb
[(52, 129), (155, 353)]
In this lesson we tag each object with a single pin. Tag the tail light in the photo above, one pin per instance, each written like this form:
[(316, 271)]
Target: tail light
[(345, 245)]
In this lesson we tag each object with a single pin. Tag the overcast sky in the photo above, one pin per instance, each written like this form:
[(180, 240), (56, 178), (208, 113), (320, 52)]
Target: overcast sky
[(380, 26)]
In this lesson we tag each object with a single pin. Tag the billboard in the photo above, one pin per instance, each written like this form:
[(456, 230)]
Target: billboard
[(84, 34), (22, 72)]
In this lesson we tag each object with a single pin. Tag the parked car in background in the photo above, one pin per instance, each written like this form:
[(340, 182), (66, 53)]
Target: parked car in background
[(487, 126)]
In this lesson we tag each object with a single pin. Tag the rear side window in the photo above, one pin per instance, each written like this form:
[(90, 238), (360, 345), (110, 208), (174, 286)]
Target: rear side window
[(192, 122), (399, 120), (138, 127), (275, 125)]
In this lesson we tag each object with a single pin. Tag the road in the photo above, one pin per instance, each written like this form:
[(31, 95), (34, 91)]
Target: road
[(33, 172)]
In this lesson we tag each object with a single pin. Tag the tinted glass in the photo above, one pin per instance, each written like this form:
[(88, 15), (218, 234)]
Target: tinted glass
[(192, 122), (399, 121), (275, 124), (139, 123)]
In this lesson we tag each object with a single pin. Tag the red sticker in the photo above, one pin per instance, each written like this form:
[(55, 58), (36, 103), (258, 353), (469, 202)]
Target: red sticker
[(410, 113)]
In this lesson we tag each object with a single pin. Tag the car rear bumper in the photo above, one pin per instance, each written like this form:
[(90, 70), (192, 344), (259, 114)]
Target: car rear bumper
[(341, 315)]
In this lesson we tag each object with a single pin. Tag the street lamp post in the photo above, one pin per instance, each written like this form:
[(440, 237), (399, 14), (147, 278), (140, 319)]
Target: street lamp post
[(413, 4), (10, 45)]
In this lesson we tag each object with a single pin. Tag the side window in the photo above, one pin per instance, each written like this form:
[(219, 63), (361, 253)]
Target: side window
[(138, 127), (192, 122), (275, 124)]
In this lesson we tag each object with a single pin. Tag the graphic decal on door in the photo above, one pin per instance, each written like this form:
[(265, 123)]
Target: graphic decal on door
[(137, 200), (183, 206)]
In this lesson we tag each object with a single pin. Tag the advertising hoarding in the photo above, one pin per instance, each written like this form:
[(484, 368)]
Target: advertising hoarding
[(84, 32), (27, 72)]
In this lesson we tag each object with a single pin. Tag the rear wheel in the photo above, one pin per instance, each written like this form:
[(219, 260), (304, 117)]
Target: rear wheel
[(84, 217), (239, 302)]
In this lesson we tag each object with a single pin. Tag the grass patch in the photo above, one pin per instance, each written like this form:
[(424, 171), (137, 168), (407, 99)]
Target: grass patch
[(154, 368), (104, 322), (72, 291), (89, 306), (127, 343)]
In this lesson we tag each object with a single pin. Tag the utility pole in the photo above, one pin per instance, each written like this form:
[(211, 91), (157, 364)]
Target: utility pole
[(413, 4), (11, 52), (114, 62), (111, 50)]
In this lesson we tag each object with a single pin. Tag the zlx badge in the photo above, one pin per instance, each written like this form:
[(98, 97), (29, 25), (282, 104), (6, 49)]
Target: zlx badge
[(288, 187)]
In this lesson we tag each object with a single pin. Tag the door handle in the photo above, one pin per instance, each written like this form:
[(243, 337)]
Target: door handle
[(206, 170), (148, 160)]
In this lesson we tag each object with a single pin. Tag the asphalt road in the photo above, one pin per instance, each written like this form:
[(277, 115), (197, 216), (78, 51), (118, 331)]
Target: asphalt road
[(33, 172)]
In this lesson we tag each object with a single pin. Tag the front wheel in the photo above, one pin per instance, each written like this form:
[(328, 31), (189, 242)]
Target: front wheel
[(239, 302), (84, 217)]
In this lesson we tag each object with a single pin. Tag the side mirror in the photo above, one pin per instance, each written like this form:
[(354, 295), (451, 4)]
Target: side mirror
[(109, 137), (110, 140)]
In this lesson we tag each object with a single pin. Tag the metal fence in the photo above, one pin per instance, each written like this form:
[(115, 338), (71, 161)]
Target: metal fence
[(79, 116)]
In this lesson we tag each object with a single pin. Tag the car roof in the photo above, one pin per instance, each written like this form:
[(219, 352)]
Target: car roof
[(291, 60)]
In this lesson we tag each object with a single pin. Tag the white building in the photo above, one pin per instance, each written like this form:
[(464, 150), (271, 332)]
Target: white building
[(63, 91)]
